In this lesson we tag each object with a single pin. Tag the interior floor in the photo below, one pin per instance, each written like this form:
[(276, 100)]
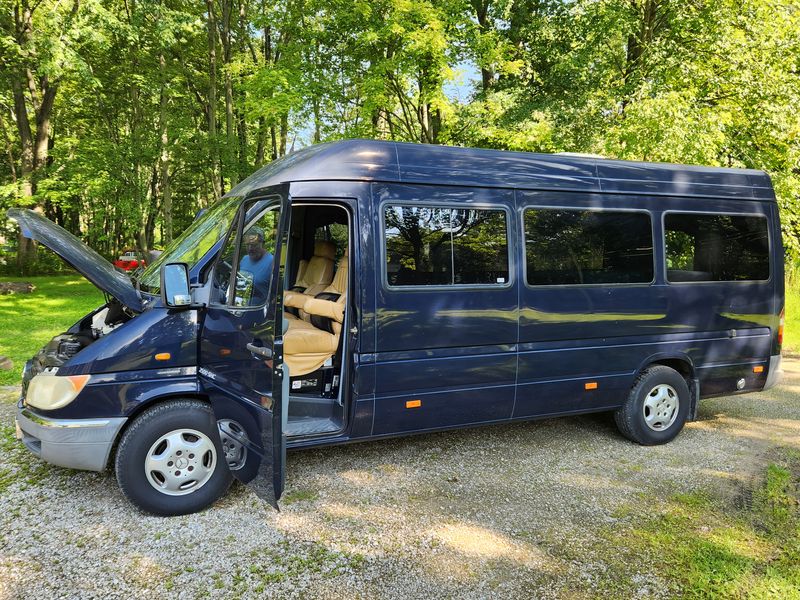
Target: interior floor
[(309, 415)]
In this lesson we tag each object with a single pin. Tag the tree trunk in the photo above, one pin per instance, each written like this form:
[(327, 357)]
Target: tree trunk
[(42, 144), (261, 146), (230, 133), (284, 133), (216, 184), (166, 184), (9, 145), (26, 249), (317, 120), (639, 42), (481, 8)]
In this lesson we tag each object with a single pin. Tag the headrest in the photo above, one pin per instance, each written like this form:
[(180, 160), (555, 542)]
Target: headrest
[(325, 249)]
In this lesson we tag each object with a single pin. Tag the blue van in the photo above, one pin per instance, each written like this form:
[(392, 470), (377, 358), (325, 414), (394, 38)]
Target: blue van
[(363, 289)]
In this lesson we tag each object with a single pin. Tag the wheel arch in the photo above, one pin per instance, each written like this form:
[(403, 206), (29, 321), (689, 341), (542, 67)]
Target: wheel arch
[(145, 405), (683, 364)]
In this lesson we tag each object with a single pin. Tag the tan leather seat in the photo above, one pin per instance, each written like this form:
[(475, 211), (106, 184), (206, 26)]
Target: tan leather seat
[(306, 346), (313, 276), (318, 273)]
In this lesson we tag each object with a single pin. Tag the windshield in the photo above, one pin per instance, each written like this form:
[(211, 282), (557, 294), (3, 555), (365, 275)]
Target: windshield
[(193, 244)]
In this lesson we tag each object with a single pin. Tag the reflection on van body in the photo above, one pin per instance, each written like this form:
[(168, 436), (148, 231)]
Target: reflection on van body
[(363, 289)]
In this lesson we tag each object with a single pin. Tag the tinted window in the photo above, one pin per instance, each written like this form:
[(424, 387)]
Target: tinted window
[(574, 247), (445, 246), (716, 247)]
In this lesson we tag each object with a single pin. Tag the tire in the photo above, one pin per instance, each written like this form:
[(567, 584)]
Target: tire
[(656, 408), (169, 461)]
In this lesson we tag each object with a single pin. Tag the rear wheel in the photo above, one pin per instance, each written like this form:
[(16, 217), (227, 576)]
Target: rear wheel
[(169, 461), (656, 408)]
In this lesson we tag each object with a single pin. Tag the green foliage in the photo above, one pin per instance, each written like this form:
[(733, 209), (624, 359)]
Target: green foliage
[(160, 106)]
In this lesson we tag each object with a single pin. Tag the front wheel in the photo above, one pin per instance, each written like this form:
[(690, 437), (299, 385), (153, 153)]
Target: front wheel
[(170, 462), (656, 408)]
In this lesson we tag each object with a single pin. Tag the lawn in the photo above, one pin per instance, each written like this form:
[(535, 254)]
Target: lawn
[(711, 546), (28, 321), (791, 337)]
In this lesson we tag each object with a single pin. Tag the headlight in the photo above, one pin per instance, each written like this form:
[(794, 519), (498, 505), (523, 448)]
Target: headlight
[(49, 392)]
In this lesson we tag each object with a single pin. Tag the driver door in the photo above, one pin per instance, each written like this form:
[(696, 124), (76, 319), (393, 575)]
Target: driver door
[(241, 343)]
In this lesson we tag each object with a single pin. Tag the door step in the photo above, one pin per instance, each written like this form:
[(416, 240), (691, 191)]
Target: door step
[(301, 426)]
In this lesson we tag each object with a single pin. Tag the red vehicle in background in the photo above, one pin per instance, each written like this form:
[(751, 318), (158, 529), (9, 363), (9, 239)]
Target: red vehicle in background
[(129, 261)]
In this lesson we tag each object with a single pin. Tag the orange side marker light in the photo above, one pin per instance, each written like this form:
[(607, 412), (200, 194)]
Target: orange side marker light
[(163, 356), (590, 385), (758, 369), (413, 403)]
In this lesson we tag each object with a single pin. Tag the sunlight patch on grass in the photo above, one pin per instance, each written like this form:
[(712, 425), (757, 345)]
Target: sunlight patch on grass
[(791, 337)]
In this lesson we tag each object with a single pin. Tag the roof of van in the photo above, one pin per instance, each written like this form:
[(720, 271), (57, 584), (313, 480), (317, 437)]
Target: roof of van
[(374, 160)]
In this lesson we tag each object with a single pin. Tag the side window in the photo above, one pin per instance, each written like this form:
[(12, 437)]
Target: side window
[(703, 247), (580, 247), (445, 246), (254, 263)]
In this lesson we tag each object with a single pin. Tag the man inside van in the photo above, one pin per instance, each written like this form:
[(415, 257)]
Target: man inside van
[(257, 262)]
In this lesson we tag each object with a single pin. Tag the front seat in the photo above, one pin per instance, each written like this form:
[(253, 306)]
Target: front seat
[(308, 344)]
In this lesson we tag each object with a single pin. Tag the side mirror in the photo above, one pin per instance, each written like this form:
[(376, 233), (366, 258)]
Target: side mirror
[(175, 285)]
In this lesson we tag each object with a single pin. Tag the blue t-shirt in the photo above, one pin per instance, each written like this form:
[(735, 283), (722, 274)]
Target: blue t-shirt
[(261, 270)]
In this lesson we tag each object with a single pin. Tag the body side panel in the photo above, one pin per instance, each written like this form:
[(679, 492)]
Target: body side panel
[(453, 348)]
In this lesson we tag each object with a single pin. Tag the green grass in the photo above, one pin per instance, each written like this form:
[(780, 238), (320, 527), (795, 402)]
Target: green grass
[(299, 496), (710, 547), (791, 332), (28, 321)]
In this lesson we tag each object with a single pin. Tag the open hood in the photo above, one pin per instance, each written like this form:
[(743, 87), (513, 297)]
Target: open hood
[(78, 255)]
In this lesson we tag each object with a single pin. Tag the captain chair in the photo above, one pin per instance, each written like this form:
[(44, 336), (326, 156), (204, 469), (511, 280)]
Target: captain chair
[(318, 272), (308, 344), (313, 276)]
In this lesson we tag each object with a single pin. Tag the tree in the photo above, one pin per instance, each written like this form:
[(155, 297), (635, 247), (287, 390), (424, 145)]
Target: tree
[(35, 49)]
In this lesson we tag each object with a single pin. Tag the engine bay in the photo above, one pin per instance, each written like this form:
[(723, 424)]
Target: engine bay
[(88, 330)]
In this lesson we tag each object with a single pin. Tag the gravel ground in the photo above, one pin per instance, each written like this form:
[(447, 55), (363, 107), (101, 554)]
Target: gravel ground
[(513, 511)]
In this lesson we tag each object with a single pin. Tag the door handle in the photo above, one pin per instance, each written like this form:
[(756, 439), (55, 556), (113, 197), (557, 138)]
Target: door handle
[(260, 350)]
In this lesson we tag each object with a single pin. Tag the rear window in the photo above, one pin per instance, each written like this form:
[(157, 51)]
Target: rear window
[(584, 247), (445, 246), (703, 247)]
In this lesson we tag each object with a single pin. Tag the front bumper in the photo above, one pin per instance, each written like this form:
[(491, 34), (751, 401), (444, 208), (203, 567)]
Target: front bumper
[(75, 443)]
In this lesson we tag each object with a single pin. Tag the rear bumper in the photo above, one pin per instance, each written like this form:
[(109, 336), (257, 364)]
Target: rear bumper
[(75, 443), (775, 373)]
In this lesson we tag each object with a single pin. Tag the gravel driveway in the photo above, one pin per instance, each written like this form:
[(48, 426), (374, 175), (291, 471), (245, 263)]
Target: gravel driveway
[(504, 511)]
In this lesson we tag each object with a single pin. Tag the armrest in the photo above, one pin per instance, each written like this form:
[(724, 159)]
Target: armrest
[(295, 299), (325, 308)]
